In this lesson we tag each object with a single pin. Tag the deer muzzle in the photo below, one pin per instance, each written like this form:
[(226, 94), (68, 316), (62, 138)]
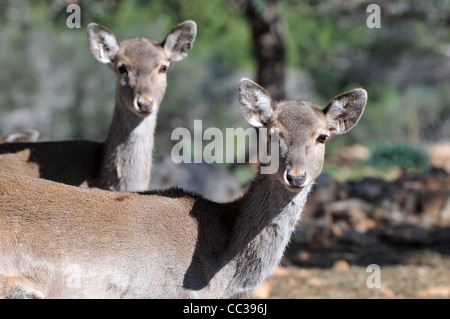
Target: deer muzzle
[(295, 179), (144, 105)]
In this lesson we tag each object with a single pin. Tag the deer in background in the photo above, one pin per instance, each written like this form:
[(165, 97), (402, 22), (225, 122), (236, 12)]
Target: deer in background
[(123, 162), (21, 136), (168, 244)]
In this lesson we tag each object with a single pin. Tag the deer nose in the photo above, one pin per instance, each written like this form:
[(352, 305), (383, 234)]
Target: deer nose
[(145, 104), (295, 180)]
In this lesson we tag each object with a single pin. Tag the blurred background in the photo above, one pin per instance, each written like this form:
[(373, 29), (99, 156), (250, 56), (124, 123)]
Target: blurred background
[(384, 195)]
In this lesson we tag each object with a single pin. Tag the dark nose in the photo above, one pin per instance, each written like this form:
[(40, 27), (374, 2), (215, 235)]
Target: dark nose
[(145, 106), (295, 180)]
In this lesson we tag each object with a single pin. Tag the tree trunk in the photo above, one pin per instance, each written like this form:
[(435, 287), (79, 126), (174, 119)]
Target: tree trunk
[(268, 44)]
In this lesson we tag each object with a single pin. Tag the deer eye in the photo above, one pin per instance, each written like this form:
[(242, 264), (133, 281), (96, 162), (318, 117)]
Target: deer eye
[(122, 69), (322, 138), (163, 68)]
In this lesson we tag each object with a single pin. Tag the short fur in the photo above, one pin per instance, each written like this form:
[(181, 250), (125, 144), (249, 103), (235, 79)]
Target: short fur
[(123, 162), (58, 241)]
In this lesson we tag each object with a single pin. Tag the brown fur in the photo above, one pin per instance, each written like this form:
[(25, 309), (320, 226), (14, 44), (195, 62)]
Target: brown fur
[(58, 241), (123, 162)]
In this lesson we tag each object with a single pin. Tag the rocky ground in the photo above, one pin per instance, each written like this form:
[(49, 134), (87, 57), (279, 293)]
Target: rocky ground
[(422, 273)]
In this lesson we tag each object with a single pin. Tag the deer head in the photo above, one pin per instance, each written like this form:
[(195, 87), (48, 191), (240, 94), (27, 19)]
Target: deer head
[(140, 63), (303, 128)]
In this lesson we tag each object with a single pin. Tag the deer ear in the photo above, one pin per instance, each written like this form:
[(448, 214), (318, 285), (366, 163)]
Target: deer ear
[(180, 38), (257, 104), (102, 43), (25, 135), (345, 110)]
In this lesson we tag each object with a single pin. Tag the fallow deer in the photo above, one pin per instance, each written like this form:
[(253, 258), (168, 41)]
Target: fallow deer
[(59, 241), (123, 162), (21, 136)]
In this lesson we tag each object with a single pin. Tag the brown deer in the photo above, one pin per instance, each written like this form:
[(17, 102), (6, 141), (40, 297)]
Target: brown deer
[(59, 241), (21, 136), (123, 162)]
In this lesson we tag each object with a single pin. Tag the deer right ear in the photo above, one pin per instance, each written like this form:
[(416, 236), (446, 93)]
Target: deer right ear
[(345, 110), (257, 104), (102, 43)]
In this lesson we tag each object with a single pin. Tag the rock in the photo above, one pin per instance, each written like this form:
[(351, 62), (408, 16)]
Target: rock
[(407, 234), (432, 203), (303, 255), (410, 202), (442, 237), (340, 266), (439, 155), (386, 292), (370, 189), (431, 183), (368, 224), (314, 282), (338, 228), (355, 238), (435, 292), (445, 214), (382, 215), (343, 191), (303, 273), (407, 211), (321, 240), (353, 211), (436, 173), (324, 190), (396, 217)]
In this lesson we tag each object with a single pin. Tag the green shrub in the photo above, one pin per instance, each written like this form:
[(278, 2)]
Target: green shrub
[(402, 155)]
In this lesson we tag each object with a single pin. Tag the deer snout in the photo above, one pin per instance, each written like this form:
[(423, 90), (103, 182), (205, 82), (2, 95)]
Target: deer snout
[(295, 178), (144, 105)]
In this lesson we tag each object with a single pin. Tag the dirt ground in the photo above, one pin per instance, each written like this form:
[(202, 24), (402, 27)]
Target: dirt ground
[(310, 273)]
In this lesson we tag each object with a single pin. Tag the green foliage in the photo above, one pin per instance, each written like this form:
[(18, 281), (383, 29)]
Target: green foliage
[(48, 70), (402, 155)]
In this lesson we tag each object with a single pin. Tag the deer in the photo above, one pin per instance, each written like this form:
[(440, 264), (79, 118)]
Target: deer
[(123, 161), (60, 241), (21, 136)]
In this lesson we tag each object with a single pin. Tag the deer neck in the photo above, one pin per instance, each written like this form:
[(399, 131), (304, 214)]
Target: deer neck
[(266, 217), (127, 159)]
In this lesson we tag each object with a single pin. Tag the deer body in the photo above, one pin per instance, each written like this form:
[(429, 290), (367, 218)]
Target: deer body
[(206, 255), (167, 244), (123, 162)]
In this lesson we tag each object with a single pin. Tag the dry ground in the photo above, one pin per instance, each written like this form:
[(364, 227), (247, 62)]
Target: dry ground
[(418, 273)]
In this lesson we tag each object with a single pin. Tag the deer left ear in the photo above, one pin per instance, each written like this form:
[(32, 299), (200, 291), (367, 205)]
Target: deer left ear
[(179, 39), (345, 110), (102, 43)]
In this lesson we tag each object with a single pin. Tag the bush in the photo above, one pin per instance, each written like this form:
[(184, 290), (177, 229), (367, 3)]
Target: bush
[(402, 155)]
